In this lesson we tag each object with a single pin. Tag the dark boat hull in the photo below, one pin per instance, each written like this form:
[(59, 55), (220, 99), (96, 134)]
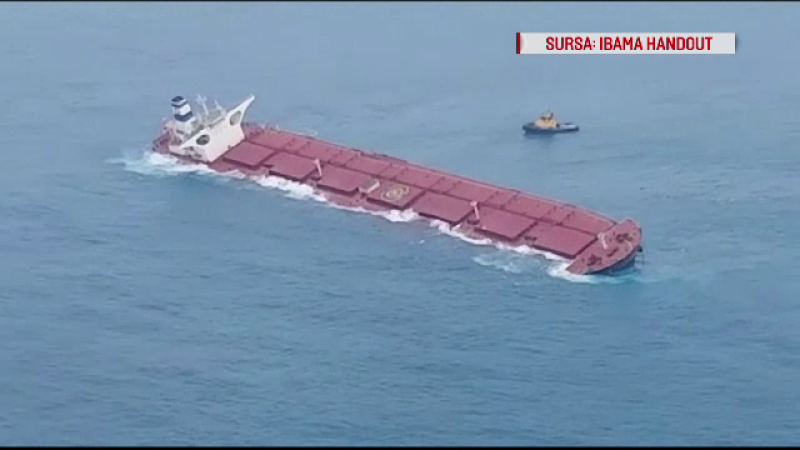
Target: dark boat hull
[(624, 265), (568, 127)]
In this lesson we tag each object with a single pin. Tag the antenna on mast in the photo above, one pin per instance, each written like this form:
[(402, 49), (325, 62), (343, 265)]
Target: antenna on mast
[(202, 102)]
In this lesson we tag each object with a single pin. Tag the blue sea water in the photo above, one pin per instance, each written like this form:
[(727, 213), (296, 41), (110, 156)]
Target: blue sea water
[(141, 303)]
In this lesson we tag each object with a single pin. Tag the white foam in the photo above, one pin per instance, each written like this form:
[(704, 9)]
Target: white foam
[(556, 269), (301, 191), (559, 270), (292, 189), (499, 262), (150, 163), (445, 228)]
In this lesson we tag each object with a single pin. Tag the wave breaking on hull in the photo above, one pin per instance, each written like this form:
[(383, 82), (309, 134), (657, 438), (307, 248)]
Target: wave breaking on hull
[(504, 257)]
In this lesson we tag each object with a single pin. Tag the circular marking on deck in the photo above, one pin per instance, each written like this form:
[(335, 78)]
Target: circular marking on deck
[(395, 193)]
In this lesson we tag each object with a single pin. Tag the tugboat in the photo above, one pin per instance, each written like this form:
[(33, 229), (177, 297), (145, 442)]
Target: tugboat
[(547, 124)]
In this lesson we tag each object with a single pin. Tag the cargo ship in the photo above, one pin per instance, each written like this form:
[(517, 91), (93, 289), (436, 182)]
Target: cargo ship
[(222, 140)]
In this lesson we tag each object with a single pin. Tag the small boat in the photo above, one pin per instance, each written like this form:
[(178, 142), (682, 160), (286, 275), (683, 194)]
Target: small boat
[(547, 124)]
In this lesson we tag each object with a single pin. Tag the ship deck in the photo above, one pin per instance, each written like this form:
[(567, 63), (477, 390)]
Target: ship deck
[(374, 181)]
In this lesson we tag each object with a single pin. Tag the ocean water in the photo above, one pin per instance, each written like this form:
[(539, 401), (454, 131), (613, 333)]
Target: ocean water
[(143, 303)]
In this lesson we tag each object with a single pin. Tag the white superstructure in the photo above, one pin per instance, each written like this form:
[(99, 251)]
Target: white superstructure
[(207, 135)]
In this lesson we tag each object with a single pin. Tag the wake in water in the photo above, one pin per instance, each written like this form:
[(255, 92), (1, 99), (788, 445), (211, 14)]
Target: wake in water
[(504, 257)]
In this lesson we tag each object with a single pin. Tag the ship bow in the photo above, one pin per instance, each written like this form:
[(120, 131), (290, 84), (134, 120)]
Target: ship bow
[(614, 250)]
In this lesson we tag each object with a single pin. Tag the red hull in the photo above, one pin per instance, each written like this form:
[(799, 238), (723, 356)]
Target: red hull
[(595, 244)]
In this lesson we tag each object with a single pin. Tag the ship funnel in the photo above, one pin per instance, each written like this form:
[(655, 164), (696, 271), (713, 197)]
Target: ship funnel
[(185, 120), (178, 101), (181, 110)]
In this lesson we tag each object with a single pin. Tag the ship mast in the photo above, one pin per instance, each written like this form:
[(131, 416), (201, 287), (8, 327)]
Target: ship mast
[(202, 102)]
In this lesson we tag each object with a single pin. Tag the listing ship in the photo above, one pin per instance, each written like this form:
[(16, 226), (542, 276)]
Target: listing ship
[(220, 139)]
